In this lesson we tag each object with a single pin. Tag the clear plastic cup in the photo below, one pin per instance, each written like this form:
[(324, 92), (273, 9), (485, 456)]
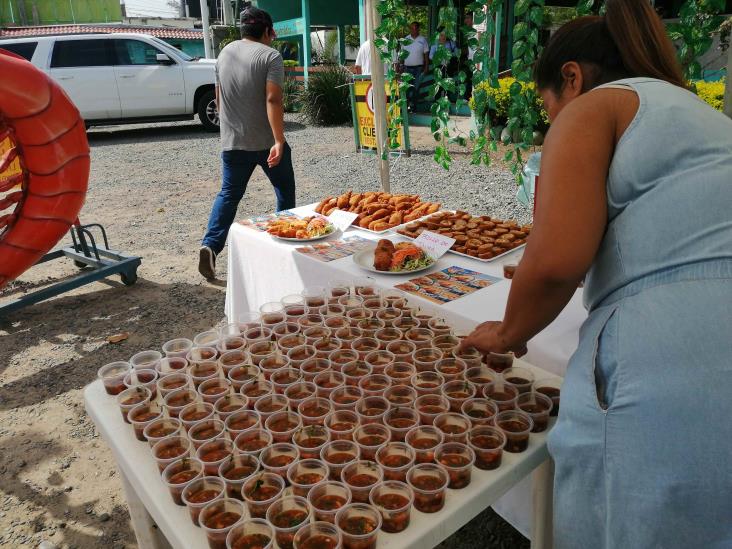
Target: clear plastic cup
[(552, 388), (345, 397), (218, 518), (146, 360), (359, 524), (395, 459), (294, 312), (347, 335), (334, 317), (326, 498), (129, 398), (271, 307), (313, 366), (180, 474), (310, 441), (360, 477), (365, 286), (241, 422), (379, 360), (342, 356), (284, 377), (113, 375), (261, 491), (487, 442), (241, 375), (503, 394), (290, 341), (171, 365), (253, 441), (230, 359), (387, 335), (341, 424), (313, 410), (388, 315), (458, 460), (405, 323), (427, 383), (480, 376), (337, 454), (369, 326), (372, 409), (394, 298), (249, 320), (271, 404), (355, 371), (521, 378), (472, 357), (284, 329), (299, 391), (282, 425), (253, 532), (358, 314), (400, 395), (446, 343), (206, 430), (173, 382), (203, 371), (516, 425), (364, 346), (399, 420), (400, 372), (499, 362), (421, 315), (230, 329), (318, 535), (202, 354), (142, 415), (439, 326), (229, 404), (256, 389), (421, 337), (169, 449), (300, 354), (292, 299), (327, 382), (350, 302), (197, 494), (314, 296), (480, 411), (314, 332), (177, 348), (424, 440), (287, 516), (370, 438), (429, 482), (538, 406), (260, 350), (161, 428), (457, 392), (213, 453), (278, 457), (326, 345), (451, 368), (393, 499), (209, 338), (212, 390), (403, 351), (143, 378), (261, 333), (374, 302), (425, 359), (230, 343), (430, 406), (195, 412), (235, 470), (454, 427), (305, 474)]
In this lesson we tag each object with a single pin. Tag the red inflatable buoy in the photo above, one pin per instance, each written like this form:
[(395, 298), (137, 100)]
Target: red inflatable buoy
[(44, 165)]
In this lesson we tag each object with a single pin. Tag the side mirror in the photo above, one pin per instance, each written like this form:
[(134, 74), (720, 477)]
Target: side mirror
[(163, 59)]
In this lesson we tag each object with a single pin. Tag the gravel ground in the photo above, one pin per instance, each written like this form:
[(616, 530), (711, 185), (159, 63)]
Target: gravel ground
[(152, 187)]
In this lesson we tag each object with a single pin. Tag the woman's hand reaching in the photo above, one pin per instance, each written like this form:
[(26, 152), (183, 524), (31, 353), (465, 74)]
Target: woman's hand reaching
[(488, 338)]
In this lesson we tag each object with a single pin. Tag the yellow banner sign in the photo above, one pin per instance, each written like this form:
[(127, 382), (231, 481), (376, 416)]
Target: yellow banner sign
[(14, 167), (364, 92)]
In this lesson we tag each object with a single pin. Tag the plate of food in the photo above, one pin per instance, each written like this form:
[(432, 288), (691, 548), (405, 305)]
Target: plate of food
[(393, 259), (304, 229)]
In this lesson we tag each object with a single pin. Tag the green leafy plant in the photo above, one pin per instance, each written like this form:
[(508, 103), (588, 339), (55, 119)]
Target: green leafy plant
[(501, 97), (290, 63), (325, 100), (291, 91), (232, 34), (698, 21)]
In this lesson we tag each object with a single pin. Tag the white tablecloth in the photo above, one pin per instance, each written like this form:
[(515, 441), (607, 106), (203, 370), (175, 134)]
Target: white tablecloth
[(263, 269)]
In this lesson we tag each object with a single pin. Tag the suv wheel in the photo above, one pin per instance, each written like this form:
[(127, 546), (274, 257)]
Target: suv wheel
[(208, 114)]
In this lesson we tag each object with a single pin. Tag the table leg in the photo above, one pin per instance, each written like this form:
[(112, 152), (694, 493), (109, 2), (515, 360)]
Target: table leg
[(542, 533), (146, 531)]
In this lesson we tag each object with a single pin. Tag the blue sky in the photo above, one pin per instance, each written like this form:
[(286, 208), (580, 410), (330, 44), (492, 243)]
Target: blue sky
[(150, 8)]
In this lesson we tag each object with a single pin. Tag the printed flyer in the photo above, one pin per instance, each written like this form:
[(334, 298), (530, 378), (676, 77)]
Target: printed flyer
[(448, 285)]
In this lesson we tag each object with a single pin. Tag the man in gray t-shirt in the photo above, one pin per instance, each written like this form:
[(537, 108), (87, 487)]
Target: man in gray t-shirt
[(249, 79)]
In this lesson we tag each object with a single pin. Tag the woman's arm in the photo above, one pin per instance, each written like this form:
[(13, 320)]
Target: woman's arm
[(570, 220)]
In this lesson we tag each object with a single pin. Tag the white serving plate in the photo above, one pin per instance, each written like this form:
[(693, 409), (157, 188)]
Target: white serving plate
[(365, 259)]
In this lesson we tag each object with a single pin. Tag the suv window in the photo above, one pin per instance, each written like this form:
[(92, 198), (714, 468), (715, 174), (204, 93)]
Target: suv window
[(24, 49), (135, 52), (81, 53)]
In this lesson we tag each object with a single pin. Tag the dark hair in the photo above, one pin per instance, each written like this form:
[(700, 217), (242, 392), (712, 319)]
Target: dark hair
[(415, 23), (254, 22), (629, 41)]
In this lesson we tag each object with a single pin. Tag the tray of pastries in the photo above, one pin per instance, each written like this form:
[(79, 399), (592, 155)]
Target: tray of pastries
[(484, 238), (379, 212)]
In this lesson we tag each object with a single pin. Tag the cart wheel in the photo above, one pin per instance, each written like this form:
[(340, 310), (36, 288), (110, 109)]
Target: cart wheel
[(129, 278)]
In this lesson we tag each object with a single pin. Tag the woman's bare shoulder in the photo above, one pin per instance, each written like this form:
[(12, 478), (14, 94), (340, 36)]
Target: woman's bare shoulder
[(605, 109)]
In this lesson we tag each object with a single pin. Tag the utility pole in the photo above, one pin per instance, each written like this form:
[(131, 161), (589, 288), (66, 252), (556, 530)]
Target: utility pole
[(182, 8), (379, 91), (206, 30), (728, 87)]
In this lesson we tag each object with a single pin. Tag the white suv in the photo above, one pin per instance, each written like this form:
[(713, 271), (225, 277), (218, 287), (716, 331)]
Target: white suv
[(125, 77)]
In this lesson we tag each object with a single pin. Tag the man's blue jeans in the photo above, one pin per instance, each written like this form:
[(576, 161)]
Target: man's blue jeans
[(413, 92), (237, 167)]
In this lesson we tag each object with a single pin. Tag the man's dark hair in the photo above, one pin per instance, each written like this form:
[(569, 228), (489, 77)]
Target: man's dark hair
[(254, 22), (415, 23)]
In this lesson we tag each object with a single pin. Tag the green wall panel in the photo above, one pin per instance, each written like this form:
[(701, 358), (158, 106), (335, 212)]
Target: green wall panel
[(52, 12)]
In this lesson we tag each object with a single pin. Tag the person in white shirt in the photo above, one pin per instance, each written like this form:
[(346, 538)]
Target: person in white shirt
[(417, 62), (363, 59)]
